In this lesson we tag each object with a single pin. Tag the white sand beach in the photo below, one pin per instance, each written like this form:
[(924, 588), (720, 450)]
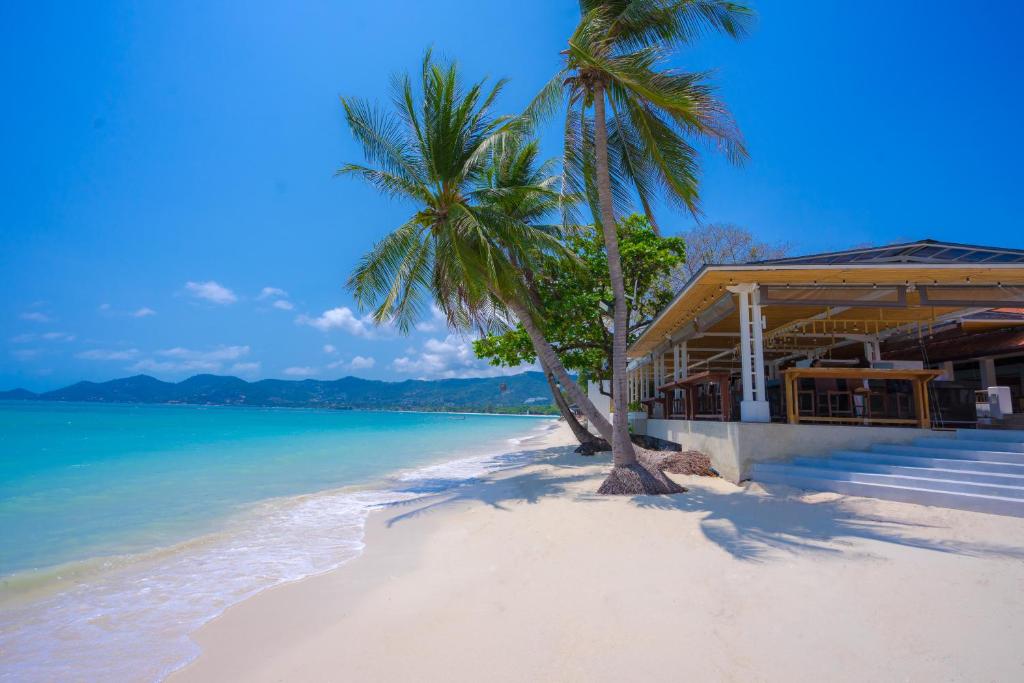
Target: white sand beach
[(528, 575)]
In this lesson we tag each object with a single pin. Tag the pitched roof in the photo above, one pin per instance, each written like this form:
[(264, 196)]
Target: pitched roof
[(922, 251)]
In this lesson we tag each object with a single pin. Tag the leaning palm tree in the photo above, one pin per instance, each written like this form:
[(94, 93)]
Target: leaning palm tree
[(513, 165), (614, 62), (473, 233)]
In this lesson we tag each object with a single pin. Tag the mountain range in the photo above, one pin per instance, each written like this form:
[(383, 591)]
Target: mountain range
[(525, 392)]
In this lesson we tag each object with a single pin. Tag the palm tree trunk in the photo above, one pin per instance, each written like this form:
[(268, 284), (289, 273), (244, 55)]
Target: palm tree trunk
[(548, 358), (627, 476), (581, 433), (622, 447)]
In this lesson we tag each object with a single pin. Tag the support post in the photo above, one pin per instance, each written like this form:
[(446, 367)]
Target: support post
[(988, 372), (761, 394), (754, 407)]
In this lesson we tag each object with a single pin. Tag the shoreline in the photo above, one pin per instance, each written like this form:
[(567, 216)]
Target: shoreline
[(71, 570), (326, 528), (527, 574)]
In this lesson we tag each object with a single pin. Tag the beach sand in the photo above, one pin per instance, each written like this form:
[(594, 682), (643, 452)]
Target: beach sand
[(528, 576)]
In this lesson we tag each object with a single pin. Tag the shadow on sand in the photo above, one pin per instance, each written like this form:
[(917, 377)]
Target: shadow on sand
[(749, 526)]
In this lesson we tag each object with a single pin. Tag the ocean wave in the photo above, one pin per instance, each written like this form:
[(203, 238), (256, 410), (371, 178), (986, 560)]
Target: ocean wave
[(130, 618)]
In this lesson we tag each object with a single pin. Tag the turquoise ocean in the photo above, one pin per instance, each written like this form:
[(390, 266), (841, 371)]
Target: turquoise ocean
[(123, 528)]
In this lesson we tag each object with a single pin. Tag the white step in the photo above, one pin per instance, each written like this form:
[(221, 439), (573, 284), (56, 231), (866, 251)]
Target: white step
[(917, 482), (976, 444), (950, 453), (991, 435), (874, 457), (963, 501), (911, 471)]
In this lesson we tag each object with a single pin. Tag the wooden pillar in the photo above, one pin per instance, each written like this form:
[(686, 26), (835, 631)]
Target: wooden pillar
[(792, 413)]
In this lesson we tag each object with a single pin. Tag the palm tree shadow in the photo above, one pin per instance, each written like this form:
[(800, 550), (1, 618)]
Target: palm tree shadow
[(749, 526), (752, 527), (529, 487)]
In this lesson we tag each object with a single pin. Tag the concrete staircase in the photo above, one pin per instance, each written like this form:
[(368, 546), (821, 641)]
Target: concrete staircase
[(980, 470)]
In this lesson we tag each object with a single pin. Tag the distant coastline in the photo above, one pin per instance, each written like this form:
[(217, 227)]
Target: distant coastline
[(523, 394)]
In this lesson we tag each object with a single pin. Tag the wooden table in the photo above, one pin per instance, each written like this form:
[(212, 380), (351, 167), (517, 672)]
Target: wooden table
[(918, 378)]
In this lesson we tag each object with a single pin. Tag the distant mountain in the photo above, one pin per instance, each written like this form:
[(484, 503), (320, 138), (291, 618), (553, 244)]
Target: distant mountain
[(527, 391), (17, 395)]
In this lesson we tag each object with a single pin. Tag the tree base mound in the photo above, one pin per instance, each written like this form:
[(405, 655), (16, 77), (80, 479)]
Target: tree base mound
[(678, 462), (638, 480), (592, 447)]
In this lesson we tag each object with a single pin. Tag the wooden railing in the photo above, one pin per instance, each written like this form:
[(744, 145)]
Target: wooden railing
[(703, 396), (861, 404)]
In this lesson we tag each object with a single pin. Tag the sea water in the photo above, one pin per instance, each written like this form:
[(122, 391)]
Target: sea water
[(123, 528)]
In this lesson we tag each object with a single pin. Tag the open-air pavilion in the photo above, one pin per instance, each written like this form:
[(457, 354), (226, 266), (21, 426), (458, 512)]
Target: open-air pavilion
[(773, 359)]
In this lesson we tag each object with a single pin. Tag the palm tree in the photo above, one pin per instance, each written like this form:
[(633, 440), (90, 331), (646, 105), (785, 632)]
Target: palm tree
[(477, 194), (615, 61), (514, 164)]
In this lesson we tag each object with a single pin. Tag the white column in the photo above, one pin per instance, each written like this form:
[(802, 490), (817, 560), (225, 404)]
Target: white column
[(684, 361), (754, 407), (758, 323), (744, 306)]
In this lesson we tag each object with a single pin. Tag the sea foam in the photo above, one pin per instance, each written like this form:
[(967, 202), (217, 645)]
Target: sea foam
[(130, 618)]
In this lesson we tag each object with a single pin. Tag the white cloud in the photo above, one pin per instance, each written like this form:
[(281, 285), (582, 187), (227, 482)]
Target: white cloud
[(329, 348), (153, 365), (141, 312), (437, 321), (449, 357), (299, 371), (180, 359), (36, 317), (218, 354), (107, 354), (272, 293), (343, 318), (245, 368), (362, 363), (357, 363), (25, 354), (48, 336), (211, 291), (279, 296)]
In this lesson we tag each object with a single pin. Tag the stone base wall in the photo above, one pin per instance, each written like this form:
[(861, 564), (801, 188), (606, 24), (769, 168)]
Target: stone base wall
[(734, 446)]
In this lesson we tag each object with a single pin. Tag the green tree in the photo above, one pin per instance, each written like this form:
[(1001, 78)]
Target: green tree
[(615, 61), (575, 299), (478, 196)]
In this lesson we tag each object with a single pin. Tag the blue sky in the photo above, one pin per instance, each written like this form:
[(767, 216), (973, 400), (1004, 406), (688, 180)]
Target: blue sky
[(168, 200)]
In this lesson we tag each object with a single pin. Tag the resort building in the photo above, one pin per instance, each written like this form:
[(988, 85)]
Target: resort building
[(797, 357)]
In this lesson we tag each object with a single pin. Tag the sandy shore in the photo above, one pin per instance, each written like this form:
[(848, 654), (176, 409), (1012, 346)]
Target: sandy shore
[(529, 576)]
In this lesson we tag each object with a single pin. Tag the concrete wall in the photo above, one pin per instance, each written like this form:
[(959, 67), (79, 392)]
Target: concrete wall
[(734, 446), (601, 402)]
